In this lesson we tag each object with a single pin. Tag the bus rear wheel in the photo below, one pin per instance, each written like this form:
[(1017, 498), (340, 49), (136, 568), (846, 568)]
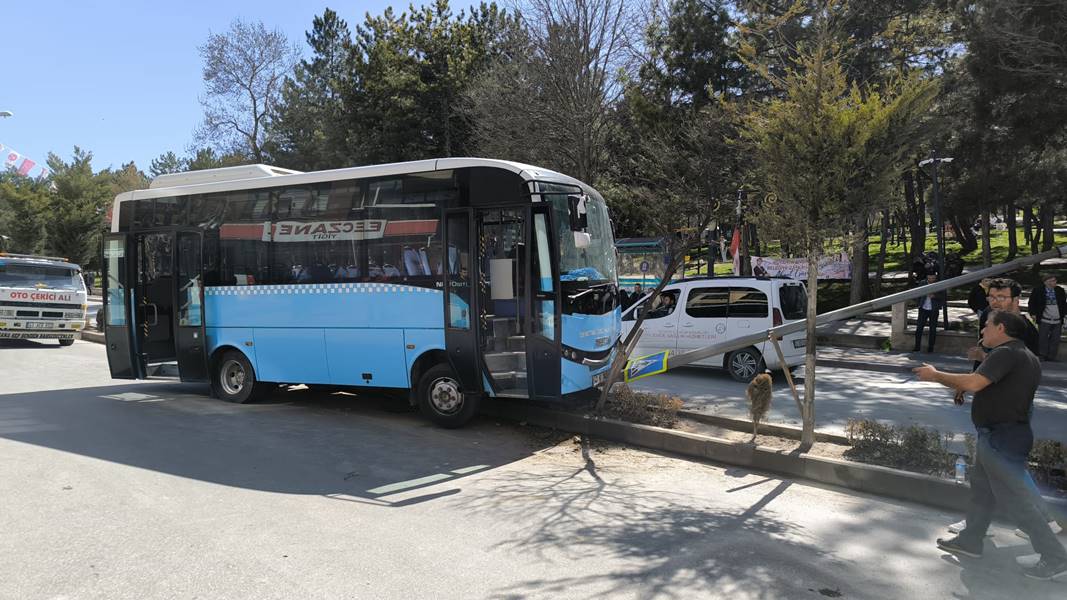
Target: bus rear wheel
[(234, 380), (442, 399)]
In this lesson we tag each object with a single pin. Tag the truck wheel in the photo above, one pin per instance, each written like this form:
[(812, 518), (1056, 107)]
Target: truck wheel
[(66, 342), (442, 400), (744, 364), (234, 380)]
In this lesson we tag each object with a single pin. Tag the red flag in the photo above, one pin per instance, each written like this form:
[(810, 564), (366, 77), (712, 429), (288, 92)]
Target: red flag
[(25, 167), (735, 245)]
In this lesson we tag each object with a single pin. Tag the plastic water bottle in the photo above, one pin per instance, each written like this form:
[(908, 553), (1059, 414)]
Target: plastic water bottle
[(961, 470)]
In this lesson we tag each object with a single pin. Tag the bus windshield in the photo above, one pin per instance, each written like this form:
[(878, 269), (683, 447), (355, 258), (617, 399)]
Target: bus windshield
[(28, 276), (596, 262)]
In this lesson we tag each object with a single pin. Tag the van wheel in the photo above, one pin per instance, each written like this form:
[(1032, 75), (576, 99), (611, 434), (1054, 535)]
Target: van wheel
[(234, 380), (744, 364), (66, 342), (442, 400)]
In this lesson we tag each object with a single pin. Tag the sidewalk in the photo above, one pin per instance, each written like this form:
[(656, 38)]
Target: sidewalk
[(1052, 373)]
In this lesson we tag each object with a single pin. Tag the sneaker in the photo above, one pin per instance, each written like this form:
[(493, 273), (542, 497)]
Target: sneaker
[(956, 546), (1053, 525), (1045, 570), (959, 526)]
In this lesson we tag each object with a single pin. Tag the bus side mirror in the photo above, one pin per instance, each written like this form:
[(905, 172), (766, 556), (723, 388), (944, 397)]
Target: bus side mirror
[(577, 213), (582, 239)]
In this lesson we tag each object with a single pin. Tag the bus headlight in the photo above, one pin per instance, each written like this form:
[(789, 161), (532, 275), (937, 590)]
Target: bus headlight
[(73, 314), (7, 312)]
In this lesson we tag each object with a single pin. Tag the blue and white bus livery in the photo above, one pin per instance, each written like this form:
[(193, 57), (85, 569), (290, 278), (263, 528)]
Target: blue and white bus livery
[(456, 279)]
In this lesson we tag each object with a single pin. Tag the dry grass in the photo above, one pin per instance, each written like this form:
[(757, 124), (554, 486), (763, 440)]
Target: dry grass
[(645, 408)]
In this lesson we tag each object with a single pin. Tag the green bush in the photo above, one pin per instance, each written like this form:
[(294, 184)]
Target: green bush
[(1047, 457), (911, 447)]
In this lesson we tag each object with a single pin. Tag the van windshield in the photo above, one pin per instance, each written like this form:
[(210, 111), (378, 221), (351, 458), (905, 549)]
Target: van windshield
[(39, 276), (794, 301)]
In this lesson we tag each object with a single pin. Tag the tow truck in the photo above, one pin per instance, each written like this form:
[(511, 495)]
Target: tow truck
[(41, 297)]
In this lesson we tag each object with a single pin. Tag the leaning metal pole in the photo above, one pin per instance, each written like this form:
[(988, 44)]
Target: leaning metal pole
[(848, 312)]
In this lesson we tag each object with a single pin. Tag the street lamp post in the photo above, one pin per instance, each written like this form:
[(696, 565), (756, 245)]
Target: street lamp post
[(934, 160)]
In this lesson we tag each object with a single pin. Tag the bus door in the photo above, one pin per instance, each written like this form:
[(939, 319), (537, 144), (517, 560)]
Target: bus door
[(154, 302), (503, 303), (461, 316), (190, 341), (119, 298), (543, 349)]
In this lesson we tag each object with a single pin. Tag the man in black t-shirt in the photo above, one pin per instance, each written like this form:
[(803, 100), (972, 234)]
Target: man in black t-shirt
[(1003, 387)]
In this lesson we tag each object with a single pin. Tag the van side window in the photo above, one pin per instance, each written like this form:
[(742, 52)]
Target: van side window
[(748, 303), (794, 301), (708, 303)]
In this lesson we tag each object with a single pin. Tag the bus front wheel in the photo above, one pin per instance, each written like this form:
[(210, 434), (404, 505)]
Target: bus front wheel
[(442, 400), (66, 342), (234, 380)]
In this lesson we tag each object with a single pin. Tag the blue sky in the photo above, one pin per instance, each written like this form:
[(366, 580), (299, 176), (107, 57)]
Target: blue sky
[(122, 79)]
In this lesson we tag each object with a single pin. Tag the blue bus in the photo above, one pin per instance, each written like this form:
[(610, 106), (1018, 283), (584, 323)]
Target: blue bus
[(455, 279)]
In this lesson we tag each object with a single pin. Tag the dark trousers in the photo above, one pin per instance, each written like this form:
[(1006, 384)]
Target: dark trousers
[(1048, 339), (926, 317), (998, 477)]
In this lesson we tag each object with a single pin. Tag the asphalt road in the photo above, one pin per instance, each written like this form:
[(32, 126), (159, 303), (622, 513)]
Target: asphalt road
[(842, 394), (153, 490)]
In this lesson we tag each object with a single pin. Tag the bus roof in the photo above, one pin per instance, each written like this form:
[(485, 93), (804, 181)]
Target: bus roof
[(260, 176), (218, 175)]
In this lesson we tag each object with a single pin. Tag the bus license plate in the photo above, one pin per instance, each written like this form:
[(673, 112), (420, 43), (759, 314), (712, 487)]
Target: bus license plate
[(38, 325), (598, 379)]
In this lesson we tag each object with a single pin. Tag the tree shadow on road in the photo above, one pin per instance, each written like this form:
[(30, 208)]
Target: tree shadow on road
[(670, 542)]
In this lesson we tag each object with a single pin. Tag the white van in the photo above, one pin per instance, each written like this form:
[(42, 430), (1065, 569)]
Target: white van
[(696, 313)]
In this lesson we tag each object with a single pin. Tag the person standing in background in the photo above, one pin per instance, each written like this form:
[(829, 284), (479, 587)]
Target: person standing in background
[(977, 300), (1048, 306), (929, 308)]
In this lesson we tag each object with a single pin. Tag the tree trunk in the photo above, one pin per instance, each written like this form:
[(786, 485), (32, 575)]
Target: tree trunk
[(1028, 222), (861, 267), (964, 235), (746, 263), (1009, 217), (880, 272), (916, 220), (1048, 235), (903, 236), (807, 412), (987, 250), (1035, 231)]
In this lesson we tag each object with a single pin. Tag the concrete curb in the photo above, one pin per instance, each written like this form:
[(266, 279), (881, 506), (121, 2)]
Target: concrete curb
[(785, 431), (851, 340), (93, 336), (871, 479)]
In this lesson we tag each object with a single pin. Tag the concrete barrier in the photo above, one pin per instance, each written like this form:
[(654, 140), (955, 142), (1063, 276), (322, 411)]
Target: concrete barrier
[(872, 479)]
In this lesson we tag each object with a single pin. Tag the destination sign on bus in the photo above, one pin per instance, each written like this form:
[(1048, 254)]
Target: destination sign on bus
[(317, 231)]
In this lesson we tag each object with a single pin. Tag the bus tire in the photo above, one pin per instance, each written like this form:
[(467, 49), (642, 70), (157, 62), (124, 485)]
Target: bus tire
[(69, 342), (442, 400), (234, 380), (744, 364)]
